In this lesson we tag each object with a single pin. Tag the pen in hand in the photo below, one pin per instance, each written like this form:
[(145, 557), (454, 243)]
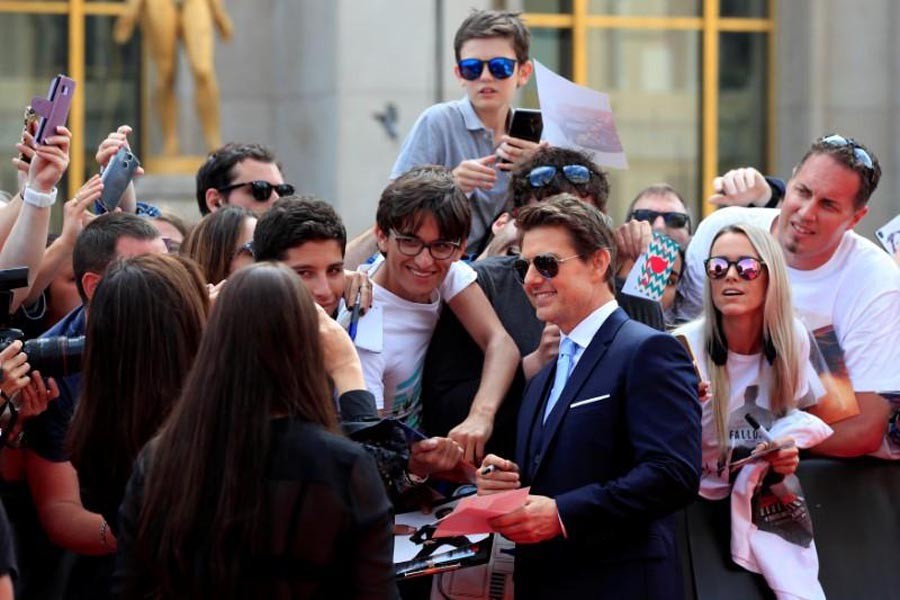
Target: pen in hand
[(763, 433), (354, 314), (488, 469)]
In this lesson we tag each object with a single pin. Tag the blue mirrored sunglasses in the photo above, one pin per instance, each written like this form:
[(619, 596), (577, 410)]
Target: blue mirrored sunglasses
[(541, 176), (500, 67)]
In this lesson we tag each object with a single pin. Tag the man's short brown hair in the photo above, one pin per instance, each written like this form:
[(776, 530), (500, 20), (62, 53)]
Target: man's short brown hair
[(589, 229), (494, 24), (853, 156)]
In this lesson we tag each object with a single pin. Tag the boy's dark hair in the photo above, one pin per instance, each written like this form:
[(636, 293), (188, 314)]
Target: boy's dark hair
[(589, 229), (422, 191), (95, 247), (850, 155), (216, 172), (595, 191), (295, 220), (494, 23)]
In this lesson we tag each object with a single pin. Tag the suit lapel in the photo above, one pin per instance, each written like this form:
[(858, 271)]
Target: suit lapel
[(585, 368), (532, 404)]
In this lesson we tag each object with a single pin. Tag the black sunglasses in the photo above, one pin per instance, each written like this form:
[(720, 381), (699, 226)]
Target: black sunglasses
[(839, 141), (748, 267), (543, 175), (675, 220), (411, 246), (262, 190), (500, 67), (547, 265)]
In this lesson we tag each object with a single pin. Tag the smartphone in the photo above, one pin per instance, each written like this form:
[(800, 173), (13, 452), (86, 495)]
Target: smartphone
[(30, 125), (54, 109), (526, 124), (116, 177), (687, 346)]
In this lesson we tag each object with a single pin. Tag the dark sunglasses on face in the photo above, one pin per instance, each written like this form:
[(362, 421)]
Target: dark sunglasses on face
[(839, 141), (675, 220), (411, 246), (262, 190), (547, 265), (500, 67), (748, 268), (543, 175)]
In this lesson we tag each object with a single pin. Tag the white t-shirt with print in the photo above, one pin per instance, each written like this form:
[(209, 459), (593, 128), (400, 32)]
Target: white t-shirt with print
[(851, 304), (393, 371), (750, 378)]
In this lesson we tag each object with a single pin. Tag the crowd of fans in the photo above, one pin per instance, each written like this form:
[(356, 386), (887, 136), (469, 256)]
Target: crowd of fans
[(212, 411)]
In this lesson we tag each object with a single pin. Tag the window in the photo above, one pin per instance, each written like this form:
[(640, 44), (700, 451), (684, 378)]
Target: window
[(689, 82), (42, 39)]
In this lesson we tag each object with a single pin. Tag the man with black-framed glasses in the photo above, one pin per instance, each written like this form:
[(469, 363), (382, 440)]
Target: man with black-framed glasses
[(246, 175), (844, 287), (422, 223)]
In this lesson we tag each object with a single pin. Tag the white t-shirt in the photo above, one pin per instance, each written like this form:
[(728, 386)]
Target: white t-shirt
[(851, 304), (750, 378), (392, 340)]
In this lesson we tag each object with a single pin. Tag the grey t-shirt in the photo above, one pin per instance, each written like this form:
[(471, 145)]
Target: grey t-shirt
[(447, 134)]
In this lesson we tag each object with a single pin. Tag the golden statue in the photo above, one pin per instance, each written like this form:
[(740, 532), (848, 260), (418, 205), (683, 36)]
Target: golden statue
[(164, 22)]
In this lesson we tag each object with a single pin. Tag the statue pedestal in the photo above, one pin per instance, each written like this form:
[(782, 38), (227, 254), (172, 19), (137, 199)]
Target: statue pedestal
[(169, 183), (170, 193)]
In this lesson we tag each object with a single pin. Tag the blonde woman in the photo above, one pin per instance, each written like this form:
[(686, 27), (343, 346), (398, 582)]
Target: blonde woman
[(750, 349)]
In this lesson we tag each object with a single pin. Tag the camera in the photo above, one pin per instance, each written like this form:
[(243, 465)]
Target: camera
[(53, 356)]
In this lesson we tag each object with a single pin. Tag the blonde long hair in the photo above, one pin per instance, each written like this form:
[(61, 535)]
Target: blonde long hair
[(780, 344)]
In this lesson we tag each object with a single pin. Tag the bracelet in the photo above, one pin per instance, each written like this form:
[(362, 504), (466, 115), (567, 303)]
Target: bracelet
[(39, 199), (15, 442), (415, 479), (103, 527)]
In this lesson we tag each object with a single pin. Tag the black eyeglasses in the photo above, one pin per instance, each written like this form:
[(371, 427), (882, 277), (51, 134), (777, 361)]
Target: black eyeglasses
[(547, 265), (839, 141), (675, 220), (500, 67), (543, 175), (262, 190), (411, 246), (748, 267)]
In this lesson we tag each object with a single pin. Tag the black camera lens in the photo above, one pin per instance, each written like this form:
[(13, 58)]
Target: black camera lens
[(55, 356)]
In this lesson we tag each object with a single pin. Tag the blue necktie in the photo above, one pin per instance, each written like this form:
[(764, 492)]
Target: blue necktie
[(563, 370)]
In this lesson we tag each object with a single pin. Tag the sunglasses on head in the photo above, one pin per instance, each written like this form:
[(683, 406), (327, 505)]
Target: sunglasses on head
[(839, 141), (675, 220), (747, 267), (500, 67), (543, 175), (547, 265), (262, 190)]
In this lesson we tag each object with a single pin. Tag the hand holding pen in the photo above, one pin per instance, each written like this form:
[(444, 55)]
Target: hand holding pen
[(496, 475), (357, 297), (786, 459)]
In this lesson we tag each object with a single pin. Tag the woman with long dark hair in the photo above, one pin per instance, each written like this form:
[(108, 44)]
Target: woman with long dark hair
[(146, 319), (219, 242), (249, 491)]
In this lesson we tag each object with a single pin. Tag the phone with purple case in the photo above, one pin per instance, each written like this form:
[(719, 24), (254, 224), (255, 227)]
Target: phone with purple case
[(116, 177), (54, 109)]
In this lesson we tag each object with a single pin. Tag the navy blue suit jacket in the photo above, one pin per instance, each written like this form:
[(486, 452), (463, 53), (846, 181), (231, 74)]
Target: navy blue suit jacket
[(620, 452)]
